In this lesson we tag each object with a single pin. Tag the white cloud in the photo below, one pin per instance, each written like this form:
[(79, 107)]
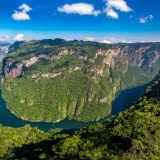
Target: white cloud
[(25, 8), (19, 37), (150, 17), (109, 40), (146, 19), (79, 8), (142, 41), (142, 20), (89, 39), (11, 38), (120, 5), (20, 16), (111, 13), (114, 40), (23, 14), (5, 38)]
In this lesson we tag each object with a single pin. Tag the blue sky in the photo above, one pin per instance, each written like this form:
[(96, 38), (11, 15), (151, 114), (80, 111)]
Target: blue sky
[(107, 21)]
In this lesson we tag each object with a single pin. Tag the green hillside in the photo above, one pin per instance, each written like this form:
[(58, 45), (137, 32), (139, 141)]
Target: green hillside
[(133, 134), (50, 80)]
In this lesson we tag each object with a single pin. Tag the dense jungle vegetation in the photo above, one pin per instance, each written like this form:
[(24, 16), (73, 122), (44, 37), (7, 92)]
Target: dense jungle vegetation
[(133, 134), (50, 80)]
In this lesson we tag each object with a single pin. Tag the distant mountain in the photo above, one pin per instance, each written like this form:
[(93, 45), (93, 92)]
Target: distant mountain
[(5, 43), (3, 50), (50, 80)]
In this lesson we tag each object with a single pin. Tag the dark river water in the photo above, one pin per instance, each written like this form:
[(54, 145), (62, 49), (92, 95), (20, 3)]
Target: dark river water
[(123, 100)]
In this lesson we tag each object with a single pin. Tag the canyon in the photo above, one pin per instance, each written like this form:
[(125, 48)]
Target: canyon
[(73, 79)]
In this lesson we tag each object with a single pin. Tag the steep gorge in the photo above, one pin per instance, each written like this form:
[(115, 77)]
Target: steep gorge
[(50, 80)]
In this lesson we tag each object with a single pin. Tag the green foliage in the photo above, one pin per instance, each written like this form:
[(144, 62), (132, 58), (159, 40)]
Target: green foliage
[(72, 79), (61, 65), (135, 76), (133, 134), (52, 99), (11, 138), (55, 131), (25, 50)]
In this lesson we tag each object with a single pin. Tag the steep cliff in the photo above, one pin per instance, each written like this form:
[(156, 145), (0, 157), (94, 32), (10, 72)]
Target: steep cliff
[(50, 80), (132, 135)]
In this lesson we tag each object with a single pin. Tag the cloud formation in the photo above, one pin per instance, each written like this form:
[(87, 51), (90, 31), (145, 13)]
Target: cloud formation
[(109, 40), (23, 14), (111, 13), (19, 37), (79, 8), (145, 19), (120, 5), (5, 38)]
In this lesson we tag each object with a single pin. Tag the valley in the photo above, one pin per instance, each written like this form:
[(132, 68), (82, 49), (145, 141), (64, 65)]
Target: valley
[(132, 134), (64, 93), (51, 80), (79, 80), (120, 104)]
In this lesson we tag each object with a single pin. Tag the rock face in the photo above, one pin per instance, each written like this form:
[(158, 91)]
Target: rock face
[(13, 72), (15, 69), (116, 56), (73, 79)]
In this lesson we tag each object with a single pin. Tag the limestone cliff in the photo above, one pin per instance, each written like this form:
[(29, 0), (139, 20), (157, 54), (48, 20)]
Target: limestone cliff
[(73, 79), (119, 57)]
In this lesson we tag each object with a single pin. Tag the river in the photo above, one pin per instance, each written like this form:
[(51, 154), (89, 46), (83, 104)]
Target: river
[(123, 100)]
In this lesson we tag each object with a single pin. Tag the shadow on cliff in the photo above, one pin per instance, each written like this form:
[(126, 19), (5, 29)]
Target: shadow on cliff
[(126, 98)]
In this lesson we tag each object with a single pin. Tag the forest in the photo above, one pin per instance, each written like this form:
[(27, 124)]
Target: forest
[(51, 80), (133, 134)]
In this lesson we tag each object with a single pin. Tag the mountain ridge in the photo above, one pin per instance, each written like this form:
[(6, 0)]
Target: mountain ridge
[(68, 67)]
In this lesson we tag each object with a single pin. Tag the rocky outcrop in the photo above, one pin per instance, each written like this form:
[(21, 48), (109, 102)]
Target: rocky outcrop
[(51, 75), (103, 61), (113, 57), (76, 78), (16, 70)]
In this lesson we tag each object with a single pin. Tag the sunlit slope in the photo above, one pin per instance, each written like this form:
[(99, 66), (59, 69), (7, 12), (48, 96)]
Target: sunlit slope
[(50, 80)]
